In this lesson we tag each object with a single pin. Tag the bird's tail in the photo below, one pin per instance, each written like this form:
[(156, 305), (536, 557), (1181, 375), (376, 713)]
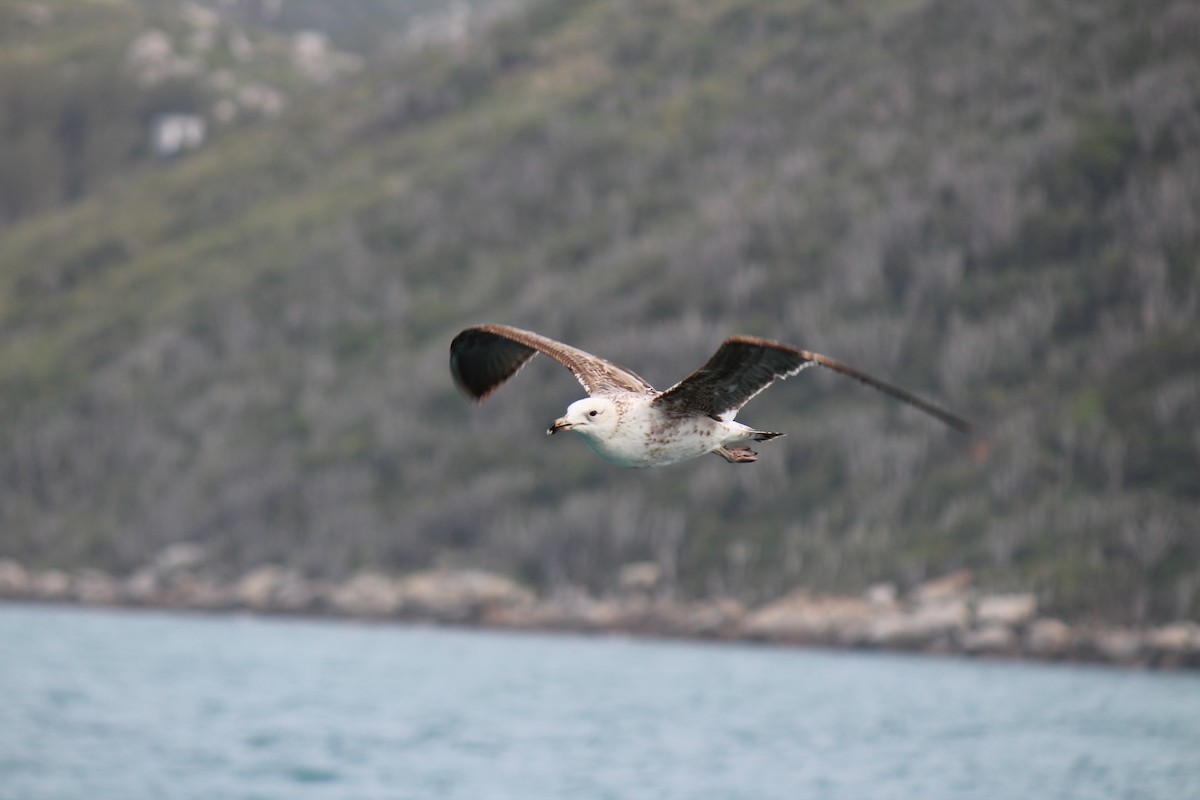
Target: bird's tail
[(763, 436)]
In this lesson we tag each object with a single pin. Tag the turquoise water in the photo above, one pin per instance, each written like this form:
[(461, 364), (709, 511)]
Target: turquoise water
[(141, 706)]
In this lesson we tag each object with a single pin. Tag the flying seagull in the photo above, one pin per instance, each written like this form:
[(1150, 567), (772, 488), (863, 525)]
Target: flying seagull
[(628, 422)]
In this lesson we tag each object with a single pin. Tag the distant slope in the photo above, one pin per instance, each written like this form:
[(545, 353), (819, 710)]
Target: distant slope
[(992, 204), (81, 84)]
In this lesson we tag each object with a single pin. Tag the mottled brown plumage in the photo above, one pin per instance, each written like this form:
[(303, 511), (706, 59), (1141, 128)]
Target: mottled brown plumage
[(744, 365), (628, 422), (485, 356)]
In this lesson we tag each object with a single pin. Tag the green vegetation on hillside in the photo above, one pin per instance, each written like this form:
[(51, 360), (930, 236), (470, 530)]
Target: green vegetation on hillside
[(993, 204)]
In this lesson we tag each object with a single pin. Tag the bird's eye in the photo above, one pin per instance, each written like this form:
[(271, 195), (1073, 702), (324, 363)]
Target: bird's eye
[(593, 413)]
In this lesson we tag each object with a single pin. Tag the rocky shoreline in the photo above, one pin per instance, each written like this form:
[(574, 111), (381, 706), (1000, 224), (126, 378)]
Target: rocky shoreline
[(946, 615)]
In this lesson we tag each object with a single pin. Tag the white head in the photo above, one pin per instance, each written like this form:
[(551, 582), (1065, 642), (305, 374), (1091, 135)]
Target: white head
[(594, 417)]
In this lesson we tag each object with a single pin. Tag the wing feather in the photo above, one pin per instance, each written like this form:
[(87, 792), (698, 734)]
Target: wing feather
[(485, 356), (744, 365)]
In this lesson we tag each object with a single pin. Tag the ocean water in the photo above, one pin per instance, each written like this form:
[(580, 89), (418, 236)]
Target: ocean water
[(147, 706)]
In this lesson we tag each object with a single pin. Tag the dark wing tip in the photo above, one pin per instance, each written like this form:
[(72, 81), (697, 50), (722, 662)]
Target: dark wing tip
[(959, 424), (484, 356), (480, 361), (932, 409), (954, 421), (761, 361)]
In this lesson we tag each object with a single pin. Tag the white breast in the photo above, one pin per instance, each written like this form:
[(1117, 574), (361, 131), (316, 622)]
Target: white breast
[(644, 437)]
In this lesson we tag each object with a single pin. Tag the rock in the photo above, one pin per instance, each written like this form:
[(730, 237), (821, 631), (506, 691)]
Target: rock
[(705, 619), (992, 639), (95, 588), (926, 625), (261, 99), (149, 51), (367, 594), (1005, 609), (199, 592), (575, 610), (568, 609), (1174, 645), (296, 594), (314, 57), (179, 558), (522, 618), (53, 585), (276, 588), (635, 615), (152, 59), (458, 595), (1177, 638), (881, 595), (256, 589), (1122, 645), (640, 577), (801, 617), (599, 615), (172, 134), (14, 580), (1049, 637), (943, 588), (142, 588)]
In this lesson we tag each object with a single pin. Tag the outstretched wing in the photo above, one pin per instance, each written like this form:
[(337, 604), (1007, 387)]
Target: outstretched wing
[(743, 366), (485, 356)]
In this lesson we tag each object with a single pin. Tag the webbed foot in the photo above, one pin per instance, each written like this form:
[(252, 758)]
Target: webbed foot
[(737, 455)]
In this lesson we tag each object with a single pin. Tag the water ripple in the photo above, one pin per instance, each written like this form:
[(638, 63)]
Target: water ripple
[(145, 706)]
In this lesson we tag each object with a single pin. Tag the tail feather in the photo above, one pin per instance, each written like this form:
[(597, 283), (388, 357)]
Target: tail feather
[(764, 436)]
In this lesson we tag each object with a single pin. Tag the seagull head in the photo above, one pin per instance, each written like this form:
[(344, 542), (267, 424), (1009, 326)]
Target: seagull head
[(591, 416)]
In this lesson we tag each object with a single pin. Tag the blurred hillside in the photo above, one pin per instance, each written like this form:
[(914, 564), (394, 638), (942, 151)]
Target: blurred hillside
[(82, 84), (993, 204)]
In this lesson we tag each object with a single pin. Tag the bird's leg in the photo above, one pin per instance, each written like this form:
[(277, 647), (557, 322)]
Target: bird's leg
[(737, 455)]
